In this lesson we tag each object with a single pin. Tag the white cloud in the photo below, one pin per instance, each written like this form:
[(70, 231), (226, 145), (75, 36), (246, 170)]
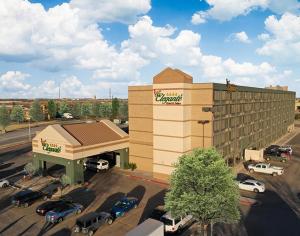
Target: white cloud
[(63, 37), (284, 43), (263, 37), (111, 10), (199, 18), (226, 10), (13, 81), (240, 37)]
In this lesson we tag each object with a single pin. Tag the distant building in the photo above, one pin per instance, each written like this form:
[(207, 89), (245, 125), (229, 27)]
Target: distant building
[(277, 87), (297, 104)]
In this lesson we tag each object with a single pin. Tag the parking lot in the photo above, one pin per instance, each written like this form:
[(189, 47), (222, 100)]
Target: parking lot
[(278, 213)]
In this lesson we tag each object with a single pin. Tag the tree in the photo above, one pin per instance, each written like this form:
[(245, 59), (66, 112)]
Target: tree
[(17, 114), (76, 110), (86, 109), (64, 108), (35, 112), (203, 186), (4, 118), (105, 110), (96, 109), (52, 109), (123, 111), (115, 108), (30, 169)]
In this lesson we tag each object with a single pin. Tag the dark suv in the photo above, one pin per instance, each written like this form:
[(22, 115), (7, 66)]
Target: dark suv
[(89, 223), (27, 197)]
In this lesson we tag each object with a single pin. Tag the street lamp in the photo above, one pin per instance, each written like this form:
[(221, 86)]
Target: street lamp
[(29, 131), (203, 122)]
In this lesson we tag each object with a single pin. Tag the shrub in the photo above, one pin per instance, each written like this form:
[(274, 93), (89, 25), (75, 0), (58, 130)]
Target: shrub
[(131, 166), (30, 169)]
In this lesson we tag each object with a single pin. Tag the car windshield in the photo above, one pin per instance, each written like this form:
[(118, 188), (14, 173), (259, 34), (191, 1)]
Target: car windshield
[(258, 183), (166, 221), (120, 204)]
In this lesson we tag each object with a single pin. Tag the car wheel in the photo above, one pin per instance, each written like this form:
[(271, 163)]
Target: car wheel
[(251, 170), (4, 185), (60, 220), (26, 204), (97, 170), (109, 221), (274, 174), (91, 232), (78, 211), (255, 190), (76, 229)]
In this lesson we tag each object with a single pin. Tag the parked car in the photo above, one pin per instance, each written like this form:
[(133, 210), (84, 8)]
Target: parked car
[(96, 164), (252, 185), (4, 183), (26, 197), (123, 206), (67, 116), (265, 168), (281, 157), (48, 206), (286, 149), (59, 213), (91, 222), (175, 224)]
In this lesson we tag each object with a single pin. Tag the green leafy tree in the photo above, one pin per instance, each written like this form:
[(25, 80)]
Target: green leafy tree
[(123, 111), (86, 109), (4, 118), (64, 108), (30, 168), (17, 114), (106, 110), (76, 110), (96, 109), (203, 186), (115, 108), (52, 109), (35, 112)]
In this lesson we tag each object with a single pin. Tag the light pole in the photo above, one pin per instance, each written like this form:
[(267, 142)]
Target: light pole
[(29, 131), (203, 122)]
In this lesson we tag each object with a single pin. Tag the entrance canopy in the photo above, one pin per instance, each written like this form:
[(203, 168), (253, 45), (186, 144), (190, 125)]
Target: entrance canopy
[(77, 141)]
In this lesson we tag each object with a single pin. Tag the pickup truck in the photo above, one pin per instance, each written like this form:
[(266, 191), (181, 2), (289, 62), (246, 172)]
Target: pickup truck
[(265, 168)]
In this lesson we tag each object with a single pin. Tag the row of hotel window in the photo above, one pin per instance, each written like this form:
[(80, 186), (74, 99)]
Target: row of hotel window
[(247, 107), (224, 95)]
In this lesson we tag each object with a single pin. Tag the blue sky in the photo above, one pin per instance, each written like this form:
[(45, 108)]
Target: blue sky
[(87, 47)]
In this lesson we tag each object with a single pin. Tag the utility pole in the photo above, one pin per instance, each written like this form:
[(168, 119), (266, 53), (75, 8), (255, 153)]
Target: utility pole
[(29, 131), (109, 93)]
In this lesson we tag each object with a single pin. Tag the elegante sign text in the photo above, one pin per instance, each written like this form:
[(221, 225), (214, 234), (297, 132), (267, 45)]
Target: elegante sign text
[(49, 147), (167, 97)]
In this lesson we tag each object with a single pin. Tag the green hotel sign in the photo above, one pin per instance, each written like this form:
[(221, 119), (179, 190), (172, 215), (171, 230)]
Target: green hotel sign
[(50, 147), (167, 97)]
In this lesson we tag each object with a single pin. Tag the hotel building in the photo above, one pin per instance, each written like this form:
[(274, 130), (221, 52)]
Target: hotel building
[(174, 115)]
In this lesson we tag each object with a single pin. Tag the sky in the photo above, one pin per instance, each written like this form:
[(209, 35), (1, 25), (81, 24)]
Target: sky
[(88, 47)]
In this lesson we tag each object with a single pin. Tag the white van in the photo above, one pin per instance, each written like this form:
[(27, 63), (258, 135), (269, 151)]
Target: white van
[(174, 225), (96, 165)]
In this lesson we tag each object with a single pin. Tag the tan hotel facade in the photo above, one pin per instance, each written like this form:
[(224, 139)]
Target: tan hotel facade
[(174, 115)]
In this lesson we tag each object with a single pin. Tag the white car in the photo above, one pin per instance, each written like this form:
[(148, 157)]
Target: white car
[(265, 168), (174, 225), (252, 185), (67, 116), (96, 164), (4, 183)]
